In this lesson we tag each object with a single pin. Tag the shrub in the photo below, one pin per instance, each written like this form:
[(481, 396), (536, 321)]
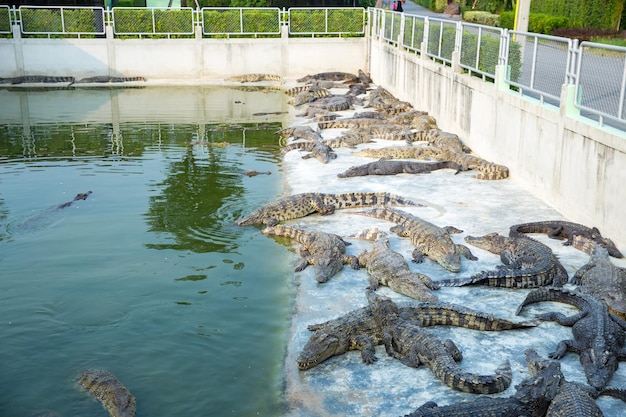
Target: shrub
[(537, 23), (481, 18)]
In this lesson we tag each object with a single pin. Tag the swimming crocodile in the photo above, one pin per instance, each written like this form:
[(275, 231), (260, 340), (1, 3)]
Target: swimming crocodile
[(303, 204), (428, 239), (598, 335), (253, 78), (527, 264), (108, 79), (565, 230), (413, 345), (389, 268), (603, 280), (35, 79), (358, 330), (325, 251), (113, 395), (531, 399), (393, 167), (316, 149)]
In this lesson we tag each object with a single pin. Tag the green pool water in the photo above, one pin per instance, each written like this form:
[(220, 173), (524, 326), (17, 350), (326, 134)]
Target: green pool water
[(148, 277)]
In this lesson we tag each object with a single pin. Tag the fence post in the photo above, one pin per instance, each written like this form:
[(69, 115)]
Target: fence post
[(424, 44), (456, 54)]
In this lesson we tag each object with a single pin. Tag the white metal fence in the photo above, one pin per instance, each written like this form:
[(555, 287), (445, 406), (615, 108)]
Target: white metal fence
[(539, 65)]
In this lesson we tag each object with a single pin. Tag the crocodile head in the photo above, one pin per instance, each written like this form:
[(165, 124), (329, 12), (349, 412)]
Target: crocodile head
[(492, 242), (599, 363), (541, 388), (326, 267), (606, 242), (449, 260), (322, 345)]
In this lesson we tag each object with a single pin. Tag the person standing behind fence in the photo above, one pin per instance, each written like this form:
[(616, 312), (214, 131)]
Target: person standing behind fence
[(399, 5)]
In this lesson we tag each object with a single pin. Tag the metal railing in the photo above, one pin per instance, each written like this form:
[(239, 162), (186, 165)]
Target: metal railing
[(229, 21), (545, 64), (154, 21), (328, 21), (538, 65), (601, 81), (77, 21)]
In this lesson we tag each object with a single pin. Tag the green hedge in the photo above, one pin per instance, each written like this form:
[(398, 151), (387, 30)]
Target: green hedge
[(598, 14), (537, 23), (253, 21), (48, 20), (339, 21), (481, 18)]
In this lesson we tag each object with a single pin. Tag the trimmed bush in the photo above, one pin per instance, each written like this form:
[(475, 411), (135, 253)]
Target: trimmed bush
[(481, 18), (537, 23)]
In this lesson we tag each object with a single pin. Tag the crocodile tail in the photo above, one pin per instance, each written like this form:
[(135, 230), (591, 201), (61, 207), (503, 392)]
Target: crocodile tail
[(554, 294), (480, 384), (456, 282), (285, 231)]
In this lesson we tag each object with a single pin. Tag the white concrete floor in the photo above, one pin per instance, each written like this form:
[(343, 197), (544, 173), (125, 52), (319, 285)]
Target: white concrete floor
[(343, 385)]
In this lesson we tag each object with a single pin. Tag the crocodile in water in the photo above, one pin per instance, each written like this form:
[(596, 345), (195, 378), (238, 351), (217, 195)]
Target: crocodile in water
[(301, 205), (325, 251), (598, 335), (527, 264), (413, 344), (428, 239), (113, 395)]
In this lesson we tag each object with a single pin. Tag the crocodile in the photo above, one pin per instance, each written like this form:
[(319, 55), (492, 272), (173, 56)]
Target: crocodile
[(358, 330), (527, 264), (330, 76), (424, 122), (349, 123), (598, 335), (428, 239), (566, 230), (303, 204), (334, 103), (77, 197), (309, 96), (603, 280), (387, 167), (321, 115), (253, 78), (300, 132), (413, 344), (389, 268), (326, 251), (108, 79), (364, 78), (254, 173), (316, 149), (531, 399), (36, 79), (113, 395)]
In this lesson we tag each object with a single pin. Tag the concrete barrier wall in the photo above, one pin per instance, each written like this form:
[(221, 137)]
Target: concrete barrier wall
[(569, 162), (179, 59)]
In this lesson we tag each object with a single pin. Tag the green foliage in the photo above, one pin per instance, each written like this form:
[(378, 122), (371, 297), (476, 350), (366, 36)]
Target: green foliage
[(227, 21), (439, 5), (339, 21), (5, 21), (488, 53), (537, 23), (599, 14), (481, 18), (52, 21), (250, 3), (413, 33)]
